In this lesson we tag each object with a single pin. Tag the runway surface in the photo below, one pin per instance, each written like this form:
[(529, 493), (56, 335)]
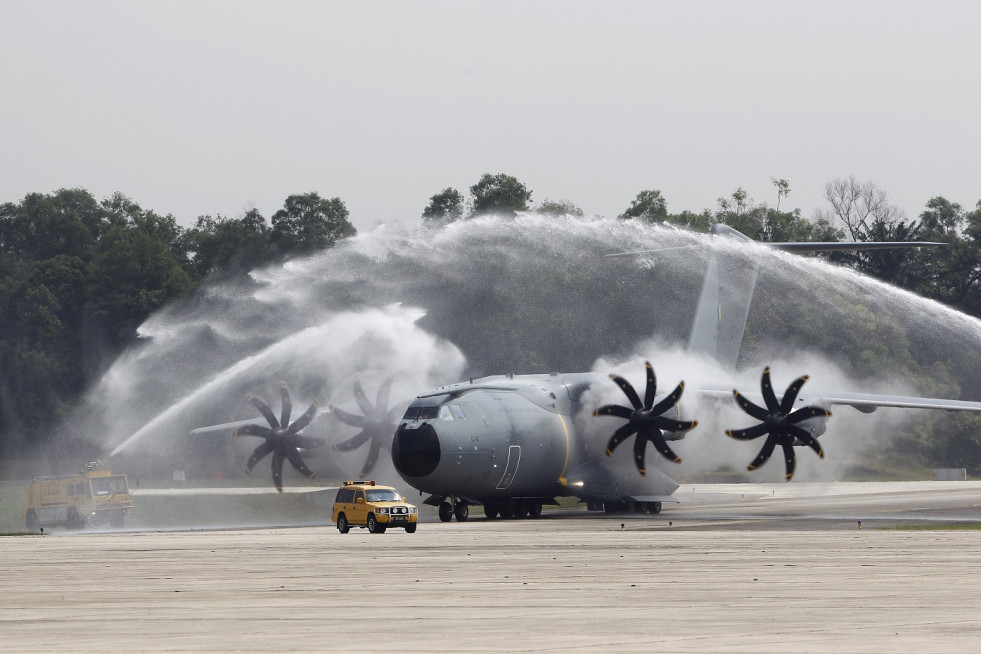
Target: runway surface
[(733, 568)]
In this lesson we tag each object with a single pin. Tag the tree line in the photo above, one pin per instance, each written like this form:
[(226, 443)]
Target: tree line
[(79, 275)]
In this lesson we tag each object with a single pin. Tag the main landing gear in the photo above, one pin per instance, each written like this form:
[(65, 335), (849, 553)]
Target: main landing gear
[(510, 508)]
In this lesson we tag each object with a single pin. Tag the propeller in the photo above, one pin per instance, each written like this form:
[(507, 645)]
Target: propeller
[(377, 423), (778, 423), (645, 419), (282, 439)]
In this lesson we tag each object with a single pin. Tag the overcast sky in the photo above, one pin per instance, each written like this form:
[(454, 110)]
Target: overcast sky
[(200, 107)]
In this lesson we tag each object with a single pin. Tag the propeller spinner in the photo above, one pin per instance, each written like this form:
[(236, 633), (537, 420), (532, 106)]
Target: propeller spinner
[(282, 439), (645, 419), (778, 423)]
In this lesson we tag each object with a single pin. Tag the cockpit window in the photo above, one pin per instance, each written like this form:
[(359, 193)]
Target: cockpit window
[(444, 413), (428, 412), (412, 413)]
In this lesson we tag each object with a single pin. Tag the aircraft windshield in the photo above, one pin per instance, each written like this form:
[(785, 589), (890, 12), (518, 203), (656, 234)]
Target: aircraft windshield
[(108, 485), (383, 495)]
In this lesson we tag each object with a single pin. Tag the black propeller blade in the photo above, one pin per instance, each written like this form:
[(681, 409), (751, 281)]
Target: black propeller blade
[(777, 421), (377, 424), (645, 420), (282, 439)]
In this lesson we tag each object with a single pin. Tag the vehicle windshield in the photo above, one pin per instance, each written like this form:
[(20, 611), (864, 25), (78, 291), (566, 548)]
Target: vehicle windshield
[(108, 485), (383, 495)]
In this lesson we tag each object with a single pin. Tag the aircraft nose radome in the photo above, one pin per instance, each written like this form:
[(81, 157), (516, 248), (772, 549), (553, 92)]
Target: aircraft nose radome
[(415, 452)]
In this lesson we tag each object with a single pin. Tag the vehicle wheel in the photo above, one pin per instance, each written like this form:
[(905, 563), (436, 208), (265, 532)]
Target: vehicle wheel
[(410, 528), (462, 511), (31, 520), (75, 520), (535, 510), (654, 507), (342, 525), (445, 512), (373, 526)]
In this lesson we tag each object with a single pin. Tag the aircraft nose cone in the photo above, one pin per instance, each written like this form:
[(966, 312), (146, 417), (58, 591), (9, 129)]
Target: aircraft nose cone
[(415, 452)]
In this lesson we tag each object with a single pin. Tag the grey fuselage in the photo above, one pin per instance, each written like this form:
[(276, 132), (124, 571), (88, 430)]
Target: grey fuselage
[(508, 437)]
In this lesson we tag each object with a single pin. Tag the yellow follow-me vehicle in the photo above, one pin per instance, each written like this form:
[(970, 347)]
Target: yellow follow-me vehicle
[(366, 504)]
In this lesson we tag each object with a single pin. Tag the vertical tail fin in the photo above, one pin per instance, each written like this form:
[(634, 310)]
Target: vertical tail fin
[(723, 306)]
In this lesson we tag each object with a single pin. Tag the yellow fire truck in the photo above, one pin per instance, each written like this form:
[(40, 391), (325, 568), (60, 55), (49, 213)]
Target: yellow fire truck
[(96, 496)]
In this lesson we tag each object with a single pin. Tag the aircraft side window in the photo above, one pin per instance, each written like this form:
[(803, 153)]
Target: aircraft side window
[(444, 413), (457, 411)]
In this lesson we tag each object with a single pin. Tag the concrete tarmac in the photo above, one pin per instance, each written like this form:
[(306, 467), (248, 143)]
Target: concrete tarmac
[(740, 568)]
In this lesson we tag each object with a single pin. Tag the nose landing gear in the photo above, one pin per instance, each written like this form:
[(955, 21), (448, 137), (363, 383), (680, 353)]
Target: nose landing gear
[(459, 509)]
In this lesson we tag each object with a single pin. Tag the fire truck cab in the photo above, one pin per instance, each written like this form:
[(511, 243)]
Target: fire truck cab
[(96, 496)]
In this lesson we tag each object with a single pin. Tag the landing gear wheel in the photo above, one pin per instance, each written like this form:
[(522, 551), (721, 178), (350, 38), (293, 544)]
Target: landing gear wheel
[(410, 528), (31, 520), (445, 512), (506, 511), (535, 510), (373, 525), (490, 510), (654, 507), (462, 512), (342, 525), (519, 510), (611, 507)]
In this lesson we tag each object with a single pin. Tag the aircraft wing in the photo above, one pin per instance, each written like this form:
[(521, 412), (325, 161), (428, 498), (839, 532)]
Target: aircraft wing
[(868, 402), (231, 426), (847, 246), (864, 402)]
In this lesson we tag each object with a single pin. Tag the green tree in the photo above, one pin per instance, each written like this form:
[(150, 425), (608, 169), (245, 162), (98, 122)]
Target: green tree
[(308, 223), (132, 275), (559, 208), (225, 246), (649, 206), (699, 222), (445, 206), (499, 194)]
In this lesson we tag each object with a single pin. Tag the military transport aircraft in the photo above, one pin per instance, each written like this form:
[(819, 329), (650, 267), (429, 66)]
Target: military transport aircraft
[(514, 443)]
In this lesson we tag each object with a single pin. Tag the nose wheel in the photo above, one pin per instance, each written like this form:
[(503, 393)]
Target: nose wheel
[(458, 509)]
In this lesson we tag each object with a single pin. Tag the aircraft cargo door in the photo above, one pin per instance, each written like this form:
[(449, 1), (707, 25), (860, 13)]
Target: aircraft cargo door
[(514, 456)]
